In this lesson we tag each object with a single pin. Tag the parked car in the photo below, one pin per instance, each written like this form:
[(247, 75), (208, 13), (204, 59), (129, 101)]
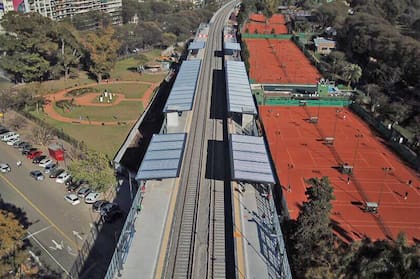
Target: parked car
[(111, 216), (13, 141), (92, 197), (45, 162), (50, 167), (24, 145), (63, 177), (37, 175), (4, 168), (83, 192), (73, 185), (72, 198), (16, 143), (109, 207), (38, 159), (96, 206), (56, 173), (32, 154), (3, 131), (8, 136)]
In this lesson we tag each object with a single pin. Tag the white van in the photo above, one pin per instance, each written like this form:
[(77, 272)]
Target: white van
[(9, 136)]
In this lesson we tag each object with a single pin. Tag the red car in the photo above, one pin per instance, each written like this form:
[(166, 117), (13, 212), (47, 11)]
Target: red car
[(31, 155)]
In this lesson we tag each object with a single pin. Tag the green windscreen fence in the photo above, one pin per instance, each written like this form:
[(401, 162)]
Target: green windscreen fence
[(331, 102)]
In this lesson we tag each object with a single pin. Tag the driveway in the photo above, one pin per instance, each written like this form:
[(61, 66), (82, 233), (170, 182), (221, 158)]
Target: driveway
[(57, 229)]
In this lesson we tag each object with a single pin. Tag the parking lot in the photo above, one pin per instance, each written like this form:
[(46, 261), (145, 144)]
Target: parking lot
[(57, 228)]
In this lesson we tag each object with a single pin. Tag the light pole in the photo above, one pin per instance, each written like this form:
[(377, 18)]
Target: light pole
[(277, 133), (335, 122), (289, 167), (386, 171), (358, 137)]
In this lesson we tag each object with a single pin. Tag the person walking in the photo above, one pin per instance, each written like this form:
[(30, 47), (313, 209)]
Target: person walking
[(348, 179), (19, 163), (406, 195)]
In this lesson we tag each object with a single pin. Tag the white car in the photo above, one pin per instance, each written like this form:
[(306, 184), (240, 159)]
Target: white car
[(4, 168), (92, 197), (63, 177), (45, 162), (72, 198), (8, 136), (13, 141)]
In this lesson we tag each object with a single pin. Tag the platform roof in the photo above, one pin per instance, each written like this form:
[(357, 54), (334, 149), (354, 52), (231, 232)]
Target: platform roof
[(182, 94), (238, 90), (163, 157), (197, 45), (249, 159), (232, 46)]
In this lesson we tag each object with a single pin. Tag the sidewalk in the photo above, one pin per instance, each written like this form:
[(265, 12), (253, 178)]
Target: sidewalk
[(149, 227), (261, 258)]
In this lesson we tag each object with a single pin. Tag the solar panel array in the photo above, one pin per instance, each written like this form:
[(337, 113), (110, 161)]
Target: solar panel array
[(197, 45), (239, 94), (183, 91), (249, 158), (232, 46), (163, 157)]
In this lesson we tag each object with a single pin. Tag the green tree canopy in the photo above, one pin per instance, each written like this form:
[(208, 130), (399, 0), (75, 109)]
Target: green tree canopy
[(312, 238), (102, 49), (95, 168)]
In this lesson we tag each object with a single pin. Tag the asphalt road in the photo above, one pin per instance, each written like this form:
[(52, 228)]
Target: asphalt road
[(57, 229)]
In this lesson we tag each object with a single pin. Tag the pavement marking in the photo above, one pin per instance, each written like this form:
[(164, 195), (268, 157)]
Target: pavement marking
[(39, 211), (52, 257), (58, 246), (165, 238), (75, 233), (239, 240), (37, 232)]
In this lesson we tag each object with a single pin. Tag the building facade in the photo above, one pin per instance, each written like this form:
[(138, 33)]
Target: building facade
[(59, 9)]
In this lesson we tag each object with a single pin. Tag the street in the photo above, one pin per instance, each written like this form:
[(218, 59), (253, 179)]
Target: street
[(56, 229)]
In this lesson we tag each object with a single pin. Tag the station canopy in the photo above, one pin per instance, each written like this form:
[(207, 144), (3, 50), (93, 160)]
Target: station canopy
[(239, 94), (163, 157), (196, 45), (182, 94), (232, 46), (249, 159)]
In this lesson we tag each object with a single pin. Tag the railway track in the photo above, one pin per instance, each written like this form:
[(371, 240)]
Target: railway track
[(183, 257)]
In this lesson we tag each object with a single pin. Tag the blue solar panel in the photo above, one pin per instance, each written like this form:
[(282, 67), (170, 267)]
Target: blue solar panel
[(163, 157), (238, 89), (250, 161), (183, 91)]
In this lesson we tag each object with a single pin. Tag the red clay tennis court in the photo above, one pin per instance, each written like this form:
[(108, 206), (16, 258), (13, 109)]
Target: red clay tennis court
[(258, 24), (300, 152), (279, 61)]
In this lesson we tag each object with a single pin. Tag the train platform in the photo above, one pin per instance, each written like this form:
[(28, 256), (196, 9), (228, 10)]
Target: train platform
[(149, 231), (255, 235)]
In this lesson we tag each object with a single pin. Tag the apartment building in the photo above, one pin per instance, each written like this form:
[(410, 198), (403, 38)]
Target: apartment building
[(59, 9)]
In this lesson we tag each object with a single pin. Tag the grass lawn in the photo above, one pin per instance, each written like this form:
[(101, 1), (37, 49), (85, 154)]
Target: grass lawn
[(131, 91), (111, 137), (124, 111)]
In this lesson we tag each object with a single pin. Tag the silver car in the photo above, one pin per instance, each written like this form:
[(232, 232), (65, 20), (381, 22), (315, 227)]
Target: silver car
[(4, 168)]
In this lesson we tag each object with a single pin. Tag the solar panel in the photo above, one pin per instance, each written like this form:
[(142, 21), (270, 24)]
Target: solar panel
[(163, 157), (238, 90), (183, 91), (197, 45), (249, 159)]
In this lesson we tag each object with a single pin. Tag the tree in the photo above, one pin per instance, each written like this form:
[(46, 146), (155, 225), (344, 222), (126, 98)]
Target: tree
[(311, 237), (351, 73), (168, 39), (102, 50), (11, 243), (380, 259), (95, 168), (42, 135)]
